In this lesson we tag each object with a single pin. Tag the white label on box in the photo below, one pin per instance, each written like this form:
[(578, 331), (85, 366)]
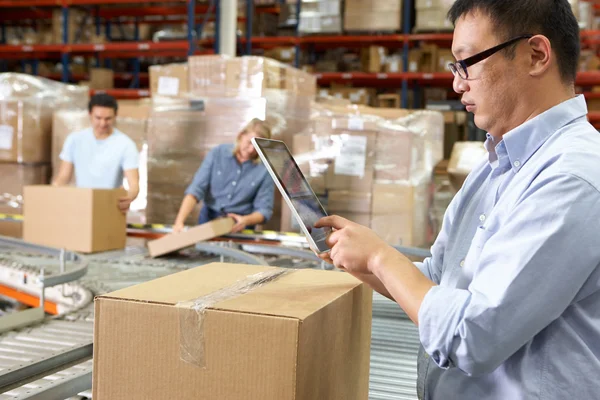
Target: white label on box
[(6, 137), (286, 54), (354, 97), (352, 157), (168, 86), (412, 67), (356, 124)]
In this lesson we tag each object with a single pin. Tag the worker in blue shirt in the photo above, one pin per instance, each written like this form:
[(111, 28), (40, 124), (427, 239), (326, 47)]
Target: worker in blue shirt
[(508, 305), (100, 156), (232, 182)]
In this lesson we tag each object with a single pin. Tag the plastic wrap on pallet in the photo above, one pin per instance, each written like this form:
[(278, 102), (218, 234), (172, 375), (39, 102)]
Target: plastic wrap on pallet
[(13, 177), (372, 169), (26, 107), (248, 76), (181, 132), (192, 313)]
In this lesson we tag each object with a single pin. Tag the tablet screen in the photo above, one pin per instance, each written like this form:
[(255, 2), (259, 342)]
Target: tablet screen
[(296, 187)]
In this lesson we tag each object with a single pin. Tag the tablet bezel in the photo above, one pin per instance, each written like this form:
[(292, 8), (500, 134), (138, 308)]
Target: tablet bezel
[(256, 142)]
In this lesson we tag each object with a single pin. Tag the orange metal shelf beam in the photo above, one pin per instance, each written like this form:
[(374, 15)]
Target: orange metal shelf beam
[(124, 93), (28, 299)]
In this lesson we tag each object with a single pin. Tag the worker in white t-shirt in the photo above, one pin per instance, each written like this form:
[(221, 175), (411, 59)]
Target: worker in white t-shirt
[(101, 155)]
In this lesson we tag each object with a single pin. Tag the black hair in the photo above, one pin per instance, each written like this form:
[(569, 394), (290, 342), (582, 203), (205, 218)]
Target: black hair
[(103, 100), (552, 18)]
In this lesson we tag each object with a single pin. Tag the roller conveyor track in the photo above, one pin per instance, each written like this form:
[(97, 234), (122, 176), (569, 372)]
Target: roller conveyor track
[(394, 347)]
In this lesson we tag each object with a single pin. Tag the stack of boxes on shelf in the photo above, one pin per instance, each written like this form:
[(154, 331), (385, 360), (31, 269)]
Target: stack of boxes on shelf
[(224, 95), (320, 16), (26, 107), (431, 15), (373, 16)]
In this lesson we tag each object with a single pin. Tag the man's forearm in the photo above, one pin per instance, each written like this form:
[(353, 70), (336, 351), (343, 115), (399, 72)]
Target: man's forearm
[(403, 280), (254, 218), (133, 192)]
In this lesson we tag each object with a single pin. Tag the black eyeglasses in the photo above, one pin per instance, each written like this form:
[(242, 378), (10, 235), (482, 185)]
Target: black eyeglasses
[(460, 67)]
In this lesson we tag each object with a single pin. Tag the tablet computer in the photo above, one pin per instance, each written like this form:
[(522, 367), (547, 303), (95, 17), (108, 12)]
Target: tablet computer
[(295, 190)]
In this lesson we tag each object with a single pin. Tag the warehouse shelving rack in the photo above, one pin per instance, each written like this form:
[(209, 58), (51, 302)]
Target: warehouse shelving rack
[(191, 13)]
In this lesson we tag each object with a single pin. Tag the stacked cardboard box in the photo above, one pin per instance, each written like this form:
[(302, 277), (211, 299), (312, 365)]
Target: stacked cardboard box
[(432, 15), (373, 15), (169, 80), (13, 178), (374, 169), (225, 94), (26, 107), (321, 16)]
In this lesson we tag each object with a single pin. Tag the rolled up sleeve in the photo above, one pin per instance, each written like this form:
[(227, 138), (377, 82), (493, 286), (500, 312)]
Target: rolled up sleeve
[(263, 201), (201, 181), (525, 275)]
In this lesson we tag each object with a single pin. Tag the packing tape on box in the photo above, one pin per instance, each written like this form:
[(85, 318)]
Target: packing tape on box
[(192, 313)]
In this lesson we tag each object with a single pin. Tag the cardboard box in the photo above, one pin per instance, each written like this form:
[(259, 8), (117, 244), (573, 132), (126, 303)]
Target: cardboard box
[(372, 58), (169, 80), (465, 156), (363, 219), (102, 78), (369, 20), (177, 241), (304, 335), (77, 219), (433, 19), (11, 227), (14, 177), (445, 57), (348, 201), (400, 212)]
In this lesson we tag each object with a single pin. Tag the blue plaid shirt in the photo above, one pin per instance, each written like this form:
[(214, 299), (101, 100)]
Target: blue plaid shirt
[(226, 186)]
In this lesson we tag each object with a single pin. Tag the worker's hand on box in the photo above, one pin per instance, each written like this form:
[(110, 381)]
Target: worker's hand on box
[(178, 227), (354, 248), (124, 203), (240, 222)]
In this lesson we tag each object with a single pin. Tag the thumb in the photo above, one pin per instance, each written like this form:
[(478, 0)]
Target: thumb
[(333, 221)]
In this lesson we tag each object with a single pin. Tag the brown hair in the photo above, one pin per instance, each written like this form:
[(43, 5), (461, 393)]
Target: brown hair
[(257, 126)]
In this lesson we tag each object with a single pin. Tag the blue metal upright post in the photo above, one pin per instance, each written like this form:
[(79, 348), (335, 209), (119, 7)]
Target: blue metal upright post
[(217, 26), (191, 27), (35, 66), (406, 30), (108, 61), (98, 30), (64, 54), (297, 47), (135, 83), (249, 16)]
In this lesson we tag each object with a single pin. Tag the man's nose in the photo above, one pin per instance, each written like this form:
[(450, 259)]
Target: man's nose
[(459, 84)]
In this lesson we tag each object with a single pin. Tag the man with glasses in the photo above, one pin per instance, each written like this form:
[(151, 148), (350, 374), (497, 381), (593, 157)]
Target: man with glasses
[(508, 306)]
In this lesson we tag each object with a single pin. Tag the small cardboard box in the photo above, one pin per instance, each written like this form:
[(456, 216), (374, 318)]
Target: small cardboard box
[(77, 219), (303, 335), (177, 241), (465, 156), (102, 78), (169, 80)]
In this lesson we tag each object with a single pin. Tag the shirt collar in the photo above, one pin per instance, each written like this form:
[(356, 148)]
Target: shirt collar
[(525, 139)]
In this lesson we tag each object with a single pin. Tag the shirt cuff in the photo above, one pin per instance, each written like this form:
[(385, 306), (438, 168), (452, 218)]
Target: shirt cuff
[(439, 317), (266, 214)]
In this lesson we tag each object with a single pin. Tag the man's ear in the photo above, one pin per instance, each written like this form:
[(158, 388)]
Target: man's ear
[(540, 55)]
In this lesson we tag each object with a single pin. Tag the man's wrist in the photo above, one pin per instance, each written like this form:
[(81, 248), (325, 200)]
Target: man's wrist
[(379, 260)]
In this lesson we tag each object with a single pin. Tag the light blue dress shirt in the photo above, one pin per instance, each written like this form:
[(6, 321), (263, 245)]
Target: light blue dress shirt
[(99, 163), (225, 186), (516, 315)]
